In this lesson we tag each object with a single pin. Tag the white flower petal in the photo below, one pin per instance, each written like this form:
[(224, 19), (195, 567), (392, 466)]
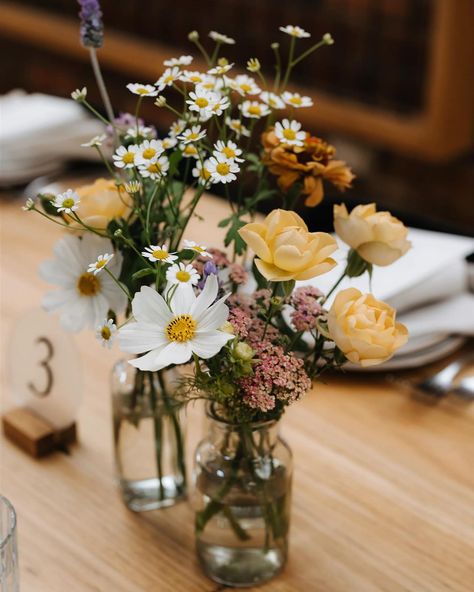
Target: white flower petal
[(209, 344), (149, 307), (53, 300), (183, 299), (205, 298), (214, 317), (149, 361), (137, 338), (175, 353)]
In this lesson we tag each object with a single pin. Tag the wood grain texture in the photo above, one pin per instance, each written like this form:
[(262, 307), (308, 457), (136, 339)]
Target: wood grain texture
[(383, 492)]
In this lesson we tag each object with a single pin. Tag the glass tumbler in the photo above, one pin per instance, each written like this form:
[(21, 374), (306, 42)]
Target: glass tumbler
[(9, 581)]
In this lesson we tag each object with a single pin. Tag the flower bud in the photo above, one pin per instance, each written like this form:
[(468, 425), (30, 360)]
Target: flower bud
[(243, 351), (327, 38), (253, 65), (79, 94), (160, 101), (227, 328), (193, 36), (275, 45), (222, 62)]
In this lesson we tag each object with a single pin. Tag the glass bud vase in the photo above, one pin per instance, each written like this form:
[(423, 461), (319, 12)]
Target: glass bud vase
[(148, 437), (242, 477)]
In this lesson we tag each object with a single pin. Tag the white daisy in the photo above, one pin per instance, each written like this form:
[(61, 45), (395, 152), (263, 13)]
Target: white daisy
[(244, 85), (105, 333), (237, 127), (220, 70), (169, 142), (228, 149), (141, 132), (201, 171), (83, 299), (171, 334), (194, 134), (194, 77), (296, 100), (220, 106), (210, 82), (149, 150), (169, 76), (160, 101), (155, 168), (254, 109), (272, 100), (222, 169), (95, 141), (159, 253), (124, 158), (144, 90), (200, 249), (79, 94), (189, 150), (202, 100), (67, 202), (133, 187), (288, 132), (221, 38), (177, 127), (253, 65), (295, 31), (99, 263), (29, 205), (183, 60), (182, 274)]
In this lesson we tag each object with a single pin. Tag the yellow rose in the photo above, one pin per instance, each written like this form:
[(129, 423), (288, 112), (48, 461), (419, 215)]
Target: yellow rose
[(101, 202), (364, 328), (286, 250), (378, 237)]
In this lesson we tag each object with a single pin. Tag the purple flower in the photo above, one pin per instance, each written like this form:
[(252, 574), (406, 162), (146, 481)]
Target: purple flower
[(209, 269), (92, 28)]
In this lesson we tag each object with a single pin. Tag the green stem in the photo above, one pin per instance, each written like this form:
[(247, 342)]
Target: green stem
[(101, 84), (119, 284), (158, 425)]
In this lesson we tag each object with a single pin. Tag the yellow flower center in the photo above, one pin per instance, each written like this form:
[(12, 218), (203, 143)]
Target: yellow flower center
[(106, 333), (201, 102), (183, 276), (195, 79), (245, 87), (289, 134), (128, 158), (198, 249), (181, 328), (254, 110), (228, 152), (68, 202), (169, 79), (99, 264), (149, 153), (88, 284), (223, 168), (160, 254), (205, 174), (193, 136), (154, 167), (190, 150), (142, 91), (296, 100)]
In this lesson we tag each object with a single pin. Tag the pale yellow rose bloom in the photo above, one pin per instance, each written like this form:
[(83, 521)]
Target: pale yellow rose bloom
[(378, 237), (286, 250), (364, 328), (100, 203)]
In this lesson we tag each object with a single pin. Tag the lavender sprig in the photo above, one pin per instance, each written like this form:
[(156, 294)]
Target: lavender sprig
[(92, 28)]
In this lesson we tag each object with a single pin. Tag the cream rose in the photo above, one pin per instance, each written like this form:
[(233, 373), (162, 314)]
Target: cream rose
[(286, 250), (364, 328), (101, 202), (378, 237)]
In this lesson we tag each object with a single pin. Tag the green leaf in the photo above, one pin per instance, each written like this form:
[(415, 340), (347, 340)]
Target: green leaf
[(225, 222), (143, 273), (175, 159), (46, 200), (356, 266)]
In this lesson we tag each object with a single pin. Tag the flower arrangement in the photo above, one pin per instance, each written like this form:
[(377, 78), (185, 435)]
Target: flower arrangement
[(255, 338)]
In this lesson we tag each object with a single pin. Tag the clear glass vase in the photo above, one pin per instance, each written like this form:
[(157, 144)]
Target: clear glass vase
[(242, 477), (148, 437)]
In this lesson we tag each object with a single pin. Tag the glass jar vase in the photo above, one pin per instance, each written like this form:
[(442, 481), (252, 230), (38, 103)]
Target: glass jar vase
[(148, 437), (242, 477)]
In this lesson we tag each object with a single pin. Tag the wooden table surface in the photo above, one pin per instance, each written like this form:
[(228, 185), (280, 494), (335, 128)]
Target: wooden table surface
[(383, 496)]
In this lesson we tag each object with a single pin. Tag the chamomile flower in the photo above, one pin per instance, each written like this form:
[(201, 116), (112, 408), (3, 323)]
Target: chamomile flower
[(154, 169), (201, 172), (133, 187), (177, 127), (143, 90), (169, 76), (29, 205), (99, 263), (200, 249), (272, 100), (140, 132), (222, 169), (83, 298), (79, 94), (228, 149), (201, 100), (244, 85), (211, 83), (194, 134), (105, 333), (296, 100), (67, 202), (124, 158), (95, 141), (220, 106), (221, 38), (288, 132), (254, 109), (189, 150), (237, 127), (148, 150), (160, 101), (169, 142), (194, 77), (159, 253), (220, 69), (183, 60), (295, 31), (253, 65), (182, 274), (172, 333)]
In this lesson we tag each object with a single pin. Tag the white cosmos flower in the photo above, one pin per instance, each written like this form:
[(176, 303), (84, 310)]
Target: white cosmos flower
[(105, 333), (192, 76), (155, 169), (296, 100), (182, 274), (100, 263), (244, 85), (202, 100), (95, 141), (159, 253), (254, 109), (83, 299), (229, 149), (220, 70), (189, 151), (177, 127), (148, 150), (200, 249), (272, 100), (288, 132), (183, 60), (222, 169), (201, 171), (169, 76), (295, 31), (144, 90), (171, 334), (124, 158), (237, 127), (194, 134), (67, 202), (221, 38)]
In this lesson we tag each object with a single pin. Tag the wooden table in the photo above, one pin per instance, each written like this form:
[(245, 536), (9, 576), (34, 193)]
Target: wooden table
[(383, 490)]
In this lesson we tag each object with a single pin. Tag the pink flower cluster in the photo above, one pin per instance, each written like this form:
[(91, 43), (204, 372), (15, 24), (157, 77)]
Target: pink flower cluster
[(307, 308), (238, 274)]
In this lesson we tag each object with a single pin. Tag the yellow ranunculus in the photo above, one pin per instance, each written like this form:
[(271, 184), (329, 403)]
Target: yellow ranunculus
[(364, 328), (286, 250), (378, 237), (100, 203)]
